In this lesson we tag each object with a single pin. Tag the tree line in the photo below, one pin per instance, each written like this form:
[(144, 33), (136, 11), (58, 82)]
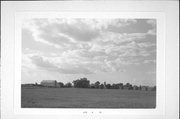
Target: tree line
[(85, 83)]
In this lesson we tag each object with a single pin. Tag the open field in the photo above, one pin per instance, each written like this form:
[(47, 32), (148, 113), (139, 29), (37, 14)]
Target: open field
[(42, 97)]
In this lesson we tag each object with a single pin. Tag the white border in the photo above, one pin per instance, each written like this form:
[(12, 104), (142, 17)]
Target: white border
[(170, 30), (160, 79)]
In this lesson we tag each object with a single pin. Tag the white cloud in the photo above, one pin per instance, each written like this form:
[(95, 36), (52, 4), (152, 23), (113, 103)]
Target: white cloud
[(67, 37), (45, 64), (151, 72), (52, 31), (150, 61), (105, 23), (152, 31), (152, 22), (86, 46), (146, 44), (99, 49)]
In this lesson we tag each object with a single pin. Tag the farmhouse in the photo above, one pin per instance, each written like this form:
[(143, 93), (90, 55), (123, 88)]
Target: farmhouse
[(50, 83)]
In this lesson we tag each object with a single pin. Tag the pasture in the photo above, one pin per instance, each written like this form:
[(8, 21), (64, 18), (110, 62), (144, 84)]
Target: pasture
[(43, 97)]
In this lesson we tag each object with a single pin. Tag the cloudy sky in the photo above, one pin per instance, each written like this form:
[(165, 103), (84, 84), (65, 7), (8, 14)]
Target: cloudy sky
[(111, 50)]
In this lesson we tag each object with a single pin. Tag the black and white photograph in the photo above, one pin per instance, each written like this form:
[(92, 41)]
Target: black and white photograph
[(89, 59), (88, 63)]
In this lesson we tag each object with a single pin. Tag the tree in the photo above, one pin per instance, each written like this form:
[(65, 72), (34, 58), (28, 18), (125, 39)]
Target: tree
[(140, 87), (92, 85), (135, 87), (97, 83), (128, 86), (61, 84), (154, 88), (115, 86), (76, 83), (108, 86), (68, 85), (81, 83), (120, 85), (102, 86)]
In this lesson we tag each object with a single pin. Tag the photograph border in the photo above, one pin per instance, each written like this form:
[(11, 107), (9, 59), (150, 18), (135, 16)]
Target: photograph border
[(10, 97), (21, 16)]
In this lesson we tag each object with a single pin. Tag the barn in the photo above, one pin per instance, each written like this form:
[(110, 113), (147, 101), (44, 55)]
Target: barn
[(50, 83)]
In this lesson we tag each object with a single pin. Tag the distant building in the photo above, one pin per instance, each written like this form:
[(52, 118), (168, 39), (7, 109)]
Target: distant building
[(50, 83)]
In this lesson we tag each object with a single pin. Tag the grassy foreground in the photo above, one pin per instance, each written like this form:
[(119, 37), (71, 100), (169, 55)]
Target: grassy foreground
[(86, 98)]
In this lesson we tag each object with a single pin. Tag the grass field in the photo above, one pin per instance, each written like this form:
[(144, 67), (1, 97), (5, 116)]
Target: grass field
[(86, 98)]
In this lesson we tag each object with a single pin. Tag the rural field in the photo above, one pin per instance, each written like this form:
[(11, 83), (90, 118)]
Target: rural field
[(43, 97)]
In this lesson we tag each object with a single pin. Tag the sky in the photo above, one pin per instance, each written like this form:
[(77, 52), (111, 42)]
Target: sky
[(106, 50)]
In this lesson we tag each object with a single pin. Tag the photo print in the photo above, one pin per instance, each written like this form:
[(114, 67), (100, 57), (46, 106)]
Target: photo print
[(88, 63)]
